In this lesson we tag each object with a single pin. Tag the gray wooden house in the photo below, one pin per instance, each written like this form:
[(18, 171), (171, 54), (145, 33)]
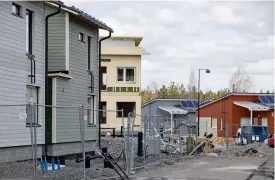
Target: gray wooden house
[(73, 79), (73, 38), (22, 27), (178, 114)]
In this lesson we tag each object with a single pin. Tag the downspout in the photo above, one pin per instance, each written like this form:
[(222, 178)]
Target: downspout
[(46, 69), (99, 86)]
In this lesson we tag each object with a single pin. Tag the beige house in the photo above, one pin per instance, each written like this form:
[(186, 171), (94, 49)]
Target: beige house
[(121, 80)]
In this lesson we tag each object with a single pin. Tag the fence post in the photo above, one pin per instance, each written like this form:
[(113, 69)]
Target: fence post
[(144, 138), (82, 134), (34, 108), (29, 117), (127, 144), (227, 135)]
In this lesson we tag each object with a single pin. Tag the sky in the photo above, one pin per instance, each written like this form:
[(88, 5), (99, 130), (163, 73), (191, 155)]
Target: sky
[(182, 35)]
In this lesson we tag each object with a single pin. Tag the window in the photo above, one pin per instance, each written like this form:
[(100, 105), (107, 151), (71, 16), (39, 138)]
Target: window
[(29, 19), (214, 123), (255, 121), (89, 53), (127, 108), (264, 121), (103, 78), (126, 74), (245, 121), (81, 37), (104, 113), (16, 9), (32, 97), (120, 74), (91, 115)]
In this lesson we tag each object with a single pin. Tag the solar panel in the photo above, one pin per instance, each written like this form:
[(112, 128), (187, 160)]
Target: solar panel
[(205, 102), (195, 104), (184, 104), (270, 99), (263, 99), (190, 104)]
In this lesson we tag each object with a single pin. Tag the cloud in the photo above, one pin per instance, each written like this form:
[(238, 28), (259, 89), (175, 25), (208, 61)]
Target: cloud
[(194, 34), (224, 15)]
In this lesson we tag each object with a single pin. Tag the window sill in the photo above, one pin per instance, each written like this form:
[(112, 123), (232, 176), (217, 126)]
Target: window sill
[(82, 41), (17, 15), (126, 82), (29, 125), (91, 125)]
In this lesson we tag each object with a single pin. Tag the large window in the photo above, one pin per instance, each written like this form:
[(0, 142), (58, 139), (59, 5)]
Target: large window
[(91, 113), (214, 123), (103, 78), (104, 113), (127, 108), (126, 74), (32, 97), (264, 121), (29, 27)]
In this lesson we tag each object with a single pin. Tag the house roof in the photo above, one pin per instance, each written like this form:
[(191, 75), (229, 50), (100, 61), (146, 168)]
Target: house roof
[(251, 106), (77, 12), (123, 50), (235, 94), (174, 99), (173, 110), (136, 39)]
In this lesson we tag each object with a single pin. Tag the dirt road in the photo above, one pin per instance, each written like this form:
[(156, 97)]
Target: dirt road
[(208, 168)]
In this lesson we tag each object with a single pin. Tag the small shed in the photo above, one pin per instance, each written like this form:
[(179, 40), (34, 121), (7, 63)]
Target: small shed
[(173, 115)]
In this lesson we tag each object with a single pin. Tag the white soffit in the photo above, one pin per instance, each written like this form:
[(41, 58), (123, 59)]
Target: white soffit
[(173, 110), (251, 106)]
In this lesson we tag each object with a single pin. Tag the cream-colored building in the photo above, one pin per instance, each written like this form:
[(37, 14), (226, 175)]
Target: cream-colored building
[(121, 80)]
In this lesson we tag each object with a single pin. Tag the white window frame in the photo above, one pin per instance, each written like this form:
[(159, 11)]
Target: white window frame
[(266, 120), (81, 37), (17, 9), (214, 127), (124, 74), (246, 120), (28, 101), (91, 111), (221, 124)]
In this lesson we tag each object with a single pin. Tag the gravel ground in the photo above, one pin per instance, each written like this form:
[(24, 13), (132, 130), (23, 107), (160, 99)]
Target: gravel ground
[(74, 171)]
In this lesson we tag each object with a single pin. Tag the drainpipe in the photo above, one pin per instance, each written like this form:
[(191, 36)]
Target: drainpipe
[(46, 68), (99, 86)]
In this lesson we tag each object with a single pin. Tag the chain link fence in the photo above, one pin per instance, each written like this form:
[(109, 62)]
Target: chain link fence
[(159, 141), (64, 143)]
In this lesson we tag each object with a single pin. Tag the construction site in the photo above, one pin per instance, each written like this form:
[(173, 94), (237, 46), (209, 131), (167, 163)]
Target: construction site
[(153, 152)]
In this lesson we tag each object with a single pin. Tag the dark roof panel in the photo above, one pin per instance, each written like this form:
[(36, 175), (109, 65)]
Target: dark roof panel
[(85, 16)]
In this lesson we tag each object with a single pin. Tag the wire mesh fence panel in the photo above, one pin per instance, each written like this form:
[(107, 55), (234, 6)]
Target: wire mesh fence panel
[(68, 137), (18, 140)]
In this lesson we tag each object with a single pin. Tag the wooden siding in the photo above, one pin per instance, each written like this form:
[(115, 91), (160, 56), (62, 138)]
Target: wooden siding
[(74, 91), (56, 40), (15, 68)]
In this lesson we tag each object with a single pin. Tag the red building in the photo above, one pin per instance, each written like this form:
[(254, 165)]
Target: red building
[(236, 109)]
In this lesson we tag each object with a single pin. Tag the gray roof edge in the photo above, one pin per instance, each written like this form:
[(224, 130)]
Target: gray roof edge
[(163, 99), (84, 15), (235, 94)]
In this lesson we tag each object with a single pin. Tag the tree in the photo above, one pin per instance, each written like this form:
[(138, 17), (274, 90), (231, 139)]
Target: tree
[(192, 83), (241, 81), (261, 91), (267, 92), (162, 92)]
